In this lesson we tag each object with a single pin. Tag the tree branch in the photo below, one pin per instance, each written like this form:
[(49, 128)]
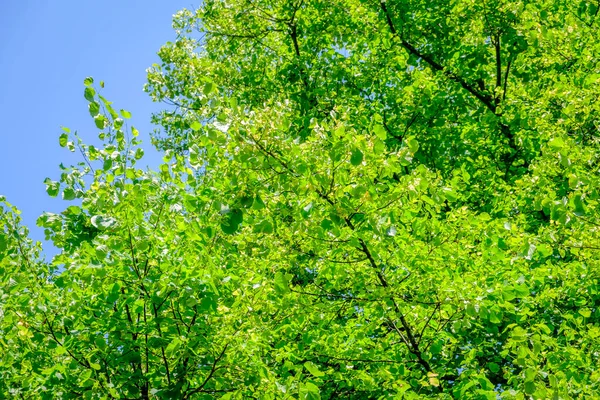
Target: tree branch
[(506, 78), (213, 369), (486, 100), (498, 66)]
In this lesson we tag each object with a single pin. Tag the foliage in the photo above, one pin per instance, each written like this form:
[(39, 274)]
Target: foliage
[(359, 199)]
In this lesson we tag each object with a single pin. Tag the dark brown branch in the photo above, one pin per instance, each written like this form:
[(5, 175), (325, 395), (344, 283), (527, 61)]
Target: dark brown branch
[(325, 197), (294, 35), (266, 151), (129, 318), (85, 157), (321, 258), (242, 36), (485, 99), (498, 67), (441, 327), (427, 322), (331, 295), (55, 338), (410, 340), (326, 240), (162, 348), (18, 236), (506, 78), (490, 102), (362, 360), (146, 351), (213, 369)]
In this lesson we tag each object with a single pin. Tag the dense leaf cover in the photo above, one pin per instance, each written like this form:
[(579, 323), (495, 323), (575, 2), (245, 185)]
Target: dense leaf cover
[(359, 199)]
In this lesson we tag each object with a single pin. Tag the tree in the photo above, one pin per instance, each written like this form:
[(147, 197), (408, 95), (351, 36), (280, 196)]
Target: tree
[(359, 199)]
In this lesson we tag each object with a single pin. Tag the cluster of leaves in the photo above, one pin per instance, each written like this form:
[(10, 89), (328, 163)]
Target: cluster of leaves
[(359, 199)]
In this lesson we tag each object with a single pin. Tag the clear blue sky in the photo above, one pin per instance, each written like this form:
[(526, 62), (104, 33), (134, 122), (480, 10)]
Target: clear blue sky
[(47, 48)]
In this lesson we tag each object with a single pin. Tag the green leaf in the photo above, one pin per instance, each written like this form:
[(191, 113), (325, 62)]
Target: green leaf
[(114, 292), (433, 379), (63, 139), (258, 203), (231, 221), (380, 132), (313, 369), (556, 143), (52, 187), (100, 121), (493, 367), (142, 245), (88, 81), (85, 375), (101, 222), (139, 153), (208, 88), (412, 144), (585, 312), (173, 347), (309, 391), (93, 108), (529, 387), (281, 283), (125, 114), (357, 157), (89, 93), (265, 227), (68, 194)]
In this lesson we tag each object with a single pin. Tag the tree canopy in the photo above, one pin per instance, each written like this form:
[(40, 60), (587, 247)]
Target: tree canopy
[(359, 199)]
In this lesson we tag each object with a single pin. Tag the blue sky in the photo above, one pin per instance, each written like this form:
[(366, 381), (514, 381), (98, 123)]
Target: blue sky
[(47, 48)]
